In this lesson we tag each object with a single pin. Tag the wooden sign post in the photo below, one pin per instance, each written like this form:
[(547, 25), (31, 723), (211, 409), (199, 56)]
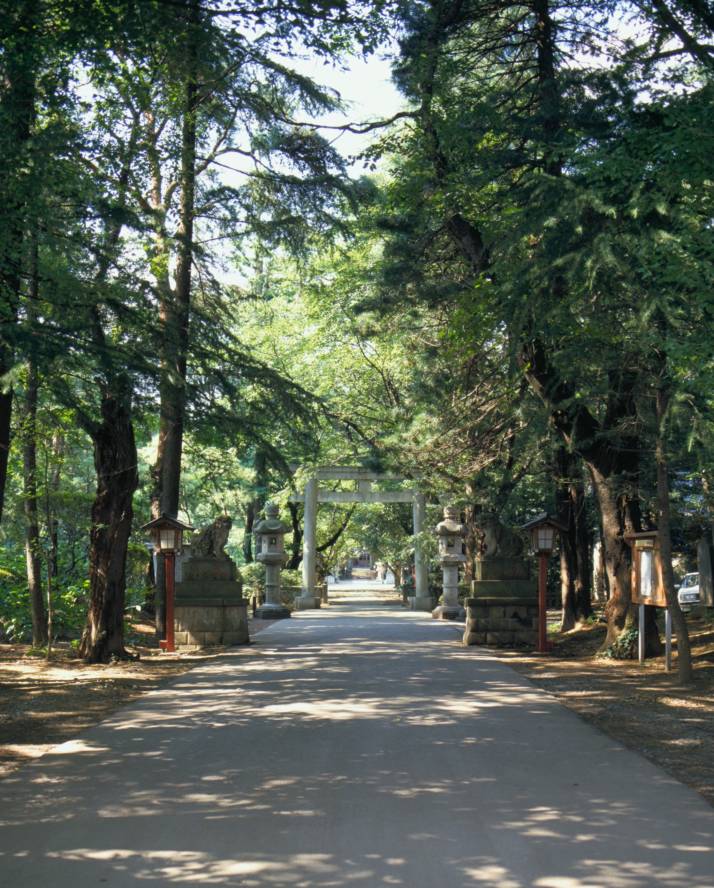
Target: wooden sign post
[(648, 588)]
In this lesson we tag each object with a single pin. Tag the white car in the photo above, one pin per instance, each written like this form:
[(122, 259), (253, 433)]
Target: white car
[(688, 592)]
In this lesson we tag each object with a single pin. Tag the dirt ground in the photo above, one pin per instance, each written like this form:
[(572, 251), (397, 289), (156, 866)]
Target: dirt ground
[(43, 704), (641, 706)]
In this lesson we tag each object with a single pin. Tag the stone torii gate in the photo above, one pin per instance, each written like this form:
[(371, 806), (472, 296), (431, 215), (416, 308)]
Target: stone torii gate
[(364, 494)]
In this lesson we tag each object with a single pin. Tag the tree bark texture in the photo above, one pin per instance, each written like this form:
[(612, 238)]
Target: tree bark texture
[(611, 455), (176, 307), (115, 460), (548, 91), (250, 514), (684, 655), (471, 540), (600, 590), (33, 558), (616, 552), (17, 114), (296, 543), (575, 544), (53, 486), (256, 505)]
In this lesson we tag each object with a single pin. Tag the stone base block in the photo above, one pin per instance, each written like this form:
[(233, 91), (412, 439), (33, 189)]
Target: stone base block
[(501, 622), (507, 588), (503, 569), (205, 568), (444, 612), (421, 604), (474, 638), (209, 590), (307, 602), (272, 612), (198, 625)]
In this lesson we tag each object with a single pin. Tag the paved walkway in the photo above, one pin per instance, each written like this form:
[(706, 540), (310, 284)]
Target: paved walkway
[(362, 746)]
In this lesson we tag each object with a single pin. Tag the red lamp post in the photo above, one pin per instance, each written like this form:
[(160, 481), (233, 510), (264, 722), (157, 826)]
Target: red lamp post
[(167, 536), (543, 532)]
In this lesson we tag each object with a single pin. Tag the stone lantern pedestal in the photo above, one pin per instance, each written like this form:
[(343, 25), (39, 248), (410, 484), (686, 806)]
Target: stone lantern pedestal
[(451, 533), (270, 535)]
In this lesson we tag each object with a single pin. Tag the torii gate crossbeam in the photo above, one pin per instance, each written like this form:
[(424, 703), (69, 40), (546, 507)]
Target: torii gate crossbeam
[(364, 494)]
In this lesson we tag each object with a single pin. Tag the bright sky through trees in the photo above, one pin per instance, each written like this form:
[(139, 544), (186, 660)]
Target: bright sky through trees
[(367, 91)]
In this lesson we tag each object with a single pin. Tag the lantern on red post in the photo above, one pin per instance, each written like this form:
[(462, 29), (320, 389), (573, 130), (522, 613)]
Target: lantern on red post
[(167, 534), (543, 530)]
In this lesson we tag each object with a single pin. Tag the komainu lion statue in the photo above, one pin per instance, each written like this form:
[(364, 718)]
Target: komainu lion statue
[(211, 541), (495, 540)]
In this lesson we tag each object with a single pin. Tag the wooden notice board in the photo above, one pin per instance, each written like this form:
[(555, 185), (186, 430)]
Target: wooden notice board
[(647, 585)]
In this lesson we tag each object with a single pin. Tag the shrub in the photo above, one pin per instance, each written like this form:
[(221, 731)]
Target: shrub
[(15, 620), (624, 647), (254, 577)]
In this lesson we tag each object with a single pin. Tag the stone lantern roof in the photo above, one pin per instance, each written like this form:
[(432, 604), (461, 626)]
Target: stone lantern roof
[(450, 526), (271, 524)]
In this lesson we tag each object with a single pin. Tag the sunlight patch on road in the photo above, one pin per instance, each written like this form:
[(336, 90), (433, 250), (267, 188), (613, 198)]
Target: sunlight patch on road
[(334, 710), (197, 867), (493, 875), (71, 747)]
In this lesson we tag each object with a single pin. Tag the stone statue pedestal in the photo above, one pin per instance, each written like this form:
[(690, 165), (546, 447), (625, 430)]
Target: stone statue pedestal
[(209, 606), (503, 608), (307, 601), (423, 603)]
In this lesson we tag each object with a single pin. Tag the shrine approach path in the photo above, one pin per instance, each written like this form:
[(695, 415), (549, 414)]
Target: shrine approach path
[(358, 745)]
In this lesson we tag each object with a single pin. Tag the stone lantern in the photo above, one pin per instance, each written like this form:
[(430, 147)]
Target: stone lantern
[(270, 545), (451, 534)]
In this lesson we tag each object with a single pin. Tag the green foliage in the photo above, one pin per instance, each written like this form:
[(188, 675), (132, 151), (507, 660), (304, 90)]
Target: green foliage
[(69, 611), (254, 578), (624, 647), (382, 323), (15, 619)]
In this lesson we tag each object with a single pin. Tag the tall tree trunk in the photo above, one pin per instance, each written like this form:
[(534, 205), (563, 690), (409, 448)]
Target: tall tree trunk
[(255, 506), (548, 90), (115, 461), (616, 552), (471, 539), (568, 554), (176, 310), (583, 574), (296, 543), (684, 656), (32, 522), (620, 516), (611, 456), (600, 590), (175, 316), (33, 560), (17, 114), (250, 516), (53, 486), (574, 551)]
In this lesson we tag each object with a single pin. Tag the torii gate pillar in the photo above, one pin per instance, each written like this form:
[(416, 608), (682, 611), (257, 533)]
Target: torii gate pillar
[(308, 598), (421, 600)]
